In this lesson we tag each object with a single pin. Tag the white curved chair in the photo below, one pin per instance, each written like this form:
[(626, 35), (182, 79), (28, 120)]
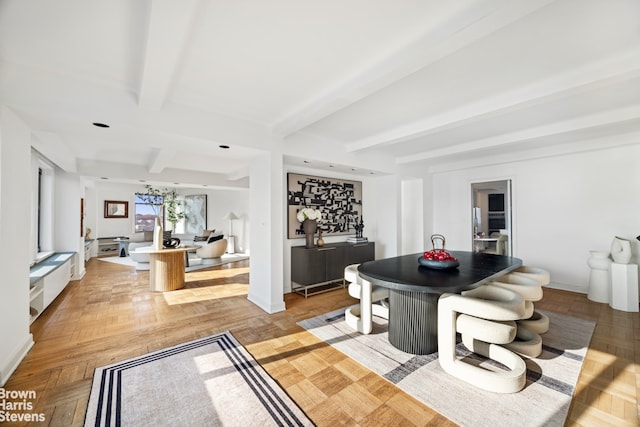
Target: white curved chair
[(528, 282), (360, 316), (485, 317), (210, 251), (541, 276)]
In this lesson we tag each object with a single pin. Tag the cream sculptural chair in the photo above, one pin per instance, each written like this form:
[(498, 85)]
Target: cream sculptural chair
[(527, 282), (360, 316), (485, 317)]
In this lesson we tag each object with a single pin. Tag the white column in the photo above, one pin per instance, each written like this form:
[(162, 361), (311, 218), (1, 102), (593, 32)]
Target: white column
[(266, 207)]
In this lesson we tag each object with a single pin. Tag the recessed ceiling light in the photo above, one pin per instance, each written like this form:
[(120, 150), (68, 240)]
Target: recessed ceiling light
[(176, 183), (142, 180), (331, 166), (104, 177), (354, 169), (100, 125), (306, 161), (372, 173), (225, 147)]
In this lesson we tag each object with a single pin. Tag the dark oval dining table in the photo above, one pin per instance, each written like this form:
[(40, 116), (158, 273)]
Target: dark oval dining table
[(414, 291)]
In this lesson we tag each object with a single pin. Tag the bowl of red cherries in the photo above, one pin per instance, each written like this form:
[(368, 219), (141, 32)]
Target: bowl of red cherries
[(437, 258)]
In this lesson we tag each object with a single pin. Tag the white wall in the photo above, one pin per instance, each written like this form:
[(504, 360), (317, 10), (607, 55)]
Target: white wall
[(219, 203), (412, 216), (563, 207), (68, 192), (15, 254)]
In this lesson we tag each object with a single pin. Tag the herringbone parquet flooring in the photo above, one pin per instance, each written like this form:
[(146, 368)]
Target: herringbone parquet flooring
[(110, 315)]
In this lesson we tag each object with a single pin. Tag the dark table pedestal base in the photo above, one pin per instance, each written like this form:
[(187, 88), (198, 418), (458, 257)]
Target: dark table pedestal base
[(413, 321)]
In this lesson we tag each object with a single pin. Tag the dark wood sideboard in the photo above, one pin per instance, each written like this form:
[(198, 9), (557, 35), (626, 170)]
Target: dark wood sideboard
[(317, 270)]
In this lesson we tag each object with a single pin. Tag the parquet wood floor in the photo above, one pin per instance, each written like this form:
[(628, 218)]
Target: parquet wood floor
[(111, 315)]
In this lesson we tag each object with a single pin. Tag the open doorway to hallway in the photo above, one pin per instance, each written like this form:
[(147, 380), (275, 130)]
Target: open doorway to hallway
[(491, 217)]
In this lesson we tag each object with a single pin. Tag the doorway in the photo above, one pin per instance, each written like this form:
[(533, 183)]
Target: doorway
[(491, 217)]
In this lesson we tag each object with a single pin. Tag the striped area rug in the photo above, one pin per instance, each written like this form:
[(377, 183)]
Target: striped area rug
[(208, 382), (545, 400)]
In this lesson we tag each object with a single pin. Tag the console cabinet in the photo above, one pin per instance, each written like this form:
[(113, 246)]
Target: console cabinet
[(316, 270), (47, 279)]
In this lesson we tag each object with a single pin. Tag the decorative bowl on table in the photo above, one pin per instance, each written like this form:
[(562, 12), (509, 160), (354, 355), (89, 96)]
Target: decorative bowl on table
[(438, 259)]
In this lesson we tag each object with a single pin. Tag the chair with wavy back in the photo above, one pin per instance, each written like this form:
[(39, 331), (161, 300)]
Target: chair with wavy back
[(485, 317), (371, 298)]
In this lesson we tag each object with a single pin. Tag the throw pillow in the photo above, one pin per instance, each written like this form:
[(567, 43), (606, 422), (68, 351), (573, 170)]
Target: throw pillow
[(215, 238), (208, 233)]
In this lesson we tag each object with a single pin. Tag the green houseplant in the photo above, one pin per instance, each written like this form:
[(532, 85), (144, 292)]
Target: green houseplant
[(164, 201)]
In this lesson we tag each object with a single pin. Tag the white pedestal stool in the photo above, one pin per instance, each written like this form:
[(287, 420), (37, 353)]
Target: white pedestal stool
[(624, 287), (599, 279)]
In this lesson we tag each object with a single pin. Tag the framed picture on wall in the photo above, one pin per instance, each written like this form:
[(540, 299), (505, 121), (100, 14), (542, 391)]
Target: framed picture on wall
[(116, 209), (339, 201), (195, 208)]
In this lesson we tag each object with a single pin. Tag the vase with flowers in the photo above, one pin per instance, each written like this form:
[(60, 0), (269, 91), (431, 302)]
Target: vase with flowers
[(309, 218)]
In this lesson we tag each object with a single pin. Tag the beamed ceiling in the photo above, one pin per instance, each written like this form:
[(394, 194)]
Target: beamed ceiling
[(354, 86)]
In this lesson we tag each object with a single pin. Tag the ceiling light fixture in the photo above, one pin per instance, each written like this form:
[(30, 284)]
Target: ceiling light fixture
[(224, 147), (306, 161), (100, 125)]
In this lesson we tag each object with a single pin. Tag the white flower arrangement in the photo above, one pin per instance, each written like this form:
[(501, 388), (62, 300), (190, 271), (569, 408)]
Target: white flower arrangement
[(308, 213)]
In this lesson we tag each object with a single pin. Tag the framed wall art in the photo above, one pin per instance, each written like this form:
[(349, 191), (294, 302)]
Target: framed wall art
[(195, 208), (339, 200), (116, 209)]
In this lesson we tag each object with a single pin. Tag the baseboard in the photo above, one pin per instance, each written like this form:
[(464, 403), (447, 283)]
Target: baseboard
[(569, 288), (269, 308), (80, 276), (7, 371)]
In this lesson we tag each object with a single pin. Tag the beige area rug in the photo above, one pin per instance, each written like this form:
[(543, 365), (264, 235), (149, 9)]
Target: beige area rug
[(545, 400), (225, 259), (208, 382)]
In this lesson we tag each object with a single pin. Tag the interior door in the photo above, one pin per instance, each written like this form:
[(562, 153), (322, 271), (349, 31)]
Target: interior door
[(491, 215)]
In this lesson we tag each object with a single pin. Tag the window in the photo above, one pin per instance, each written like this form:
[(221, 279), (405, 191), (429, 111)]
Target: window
[(146, 210), (41, 207)]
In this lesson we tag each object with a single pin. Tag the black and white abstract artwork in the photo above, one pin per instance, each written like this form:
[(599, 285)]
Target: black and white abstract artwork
[(339, 200), (195, 208)]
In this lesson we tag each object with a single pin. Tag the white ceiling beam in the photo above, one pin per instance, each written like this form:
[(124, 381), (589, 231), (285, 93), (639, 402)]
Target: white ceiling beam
[(160, 160), (484, 18), (592, 121), (168, 31), (53, 148), (611, 71), (569, 148)]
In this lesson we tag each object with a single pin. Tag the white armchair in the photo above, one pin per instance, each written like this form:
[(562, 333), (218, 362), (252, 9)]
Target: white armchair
[(211, 251)]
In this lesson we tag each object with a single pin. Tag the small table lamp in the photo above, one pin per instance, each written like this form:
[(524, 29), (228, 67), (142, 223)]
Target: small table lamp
[(231, 238)]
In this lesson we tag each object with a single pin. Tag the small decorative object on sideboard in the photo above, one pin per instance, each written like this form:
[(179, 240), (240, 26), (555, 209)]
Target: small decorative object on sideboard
[(320, 241), (358, 237), (438, 258)]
